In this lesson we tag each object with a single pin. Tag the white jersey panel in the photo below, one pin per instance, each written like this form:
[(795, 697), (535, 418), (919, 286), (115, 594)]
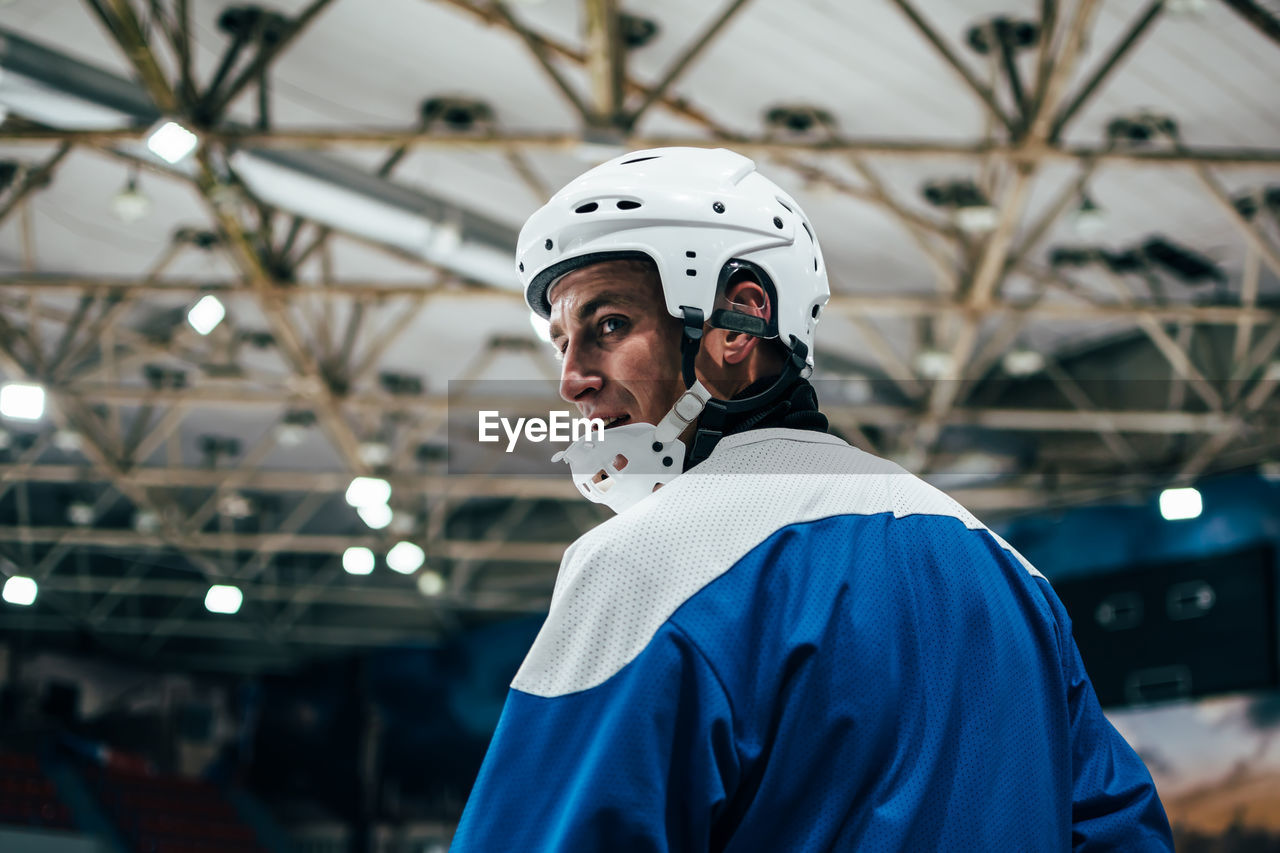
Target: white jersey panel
[(620, 582)]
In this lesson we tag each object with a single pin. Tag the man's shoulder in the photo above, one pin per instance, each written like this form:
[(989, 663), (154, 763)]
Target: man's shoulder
[(622, 581)]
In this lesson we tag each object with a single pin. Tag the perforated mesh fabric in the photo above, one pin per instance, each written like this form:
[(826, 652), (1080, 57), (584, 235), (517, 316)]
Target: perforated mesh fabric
[(797, 646), (621, 581)]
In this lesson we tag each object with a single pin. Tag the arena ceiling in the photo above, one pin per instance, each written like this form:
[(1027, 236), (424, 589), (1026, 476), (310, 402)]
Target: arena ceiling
[(1051, 230)]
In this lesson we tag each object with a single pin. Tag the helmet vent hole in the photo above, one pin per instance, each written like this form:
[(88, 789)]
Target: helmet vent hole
[(690, 272), (548, 244), (627, 204), (691, 254), (522, 266), (777, 222), (639, 160), (718, 207), (785, 206), (816, 308), (808, 231), (589, 207)]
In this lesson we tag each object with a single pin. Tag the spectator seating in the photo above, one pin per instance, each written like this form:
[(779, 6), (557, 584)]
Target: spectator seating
[(167, 814), (27, 796)]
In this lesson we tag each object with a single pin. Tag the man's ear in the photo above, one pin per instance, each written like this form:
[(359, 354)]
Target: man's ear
[(748, 297)]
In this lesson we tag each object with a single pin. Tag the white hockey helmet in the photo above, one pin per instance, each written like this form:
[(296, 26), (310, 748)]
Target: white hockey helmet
[(692, 211)]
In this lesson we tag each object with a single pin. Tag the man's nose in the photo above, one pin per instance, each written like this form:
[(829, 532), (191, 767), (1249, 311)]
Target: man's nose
[(578, 376)]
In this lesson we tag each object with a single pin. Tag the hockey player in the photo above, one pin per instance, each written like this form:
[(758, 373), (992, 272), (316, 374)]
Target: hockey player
[(780, 643)]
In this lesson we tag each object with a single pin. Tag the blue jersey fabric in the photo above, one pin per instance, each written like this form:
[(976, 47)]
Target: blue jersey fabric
[(872, 681)]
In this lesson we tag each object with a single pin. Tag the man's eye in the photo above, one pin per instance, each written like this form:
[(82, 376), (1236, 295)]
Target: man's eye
[(612, 324)]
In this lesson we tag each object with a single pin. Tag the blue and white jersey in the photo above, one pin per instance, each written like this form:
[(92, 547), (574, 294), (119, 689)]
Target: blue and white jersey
[(798, 646)]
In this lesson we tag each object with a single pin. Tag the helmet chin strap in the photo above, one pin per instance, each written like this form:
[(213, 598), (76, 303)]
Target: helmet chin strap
[(714, 412), (630, 461)]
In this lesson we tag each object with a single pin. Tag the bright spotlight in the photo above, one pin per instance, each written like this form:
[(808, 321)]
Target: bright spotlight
[(976, 218), (171, 142), (19, 590), (405, 558), (1180, 504), (377, 516), (22, 401), (1023, 362), (368, 491), (933, 363), (206, 314), (357, 561), (430, 583), (223, 599)]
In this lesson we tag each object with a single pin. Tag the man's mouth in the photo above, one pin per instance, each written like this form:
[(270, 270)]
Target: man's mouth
[(615, 420)]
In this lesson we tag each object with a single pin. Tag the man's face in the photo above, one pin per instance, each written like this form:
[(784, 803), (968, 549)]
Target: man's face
[(620, 349)]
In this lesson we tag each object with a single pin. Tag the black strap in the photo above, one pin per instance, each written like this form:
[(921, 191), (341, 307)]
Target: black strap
[(717, 414), (689, 343)]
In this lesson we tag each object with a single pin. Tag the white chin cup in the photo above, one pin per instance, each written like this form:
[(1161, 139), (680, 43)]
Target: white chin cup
[(623, 468)]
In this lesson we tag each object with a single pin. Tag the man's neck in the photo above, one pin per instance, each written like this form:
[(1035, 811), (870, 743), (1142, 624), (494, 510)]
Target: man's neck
[(795, 408)]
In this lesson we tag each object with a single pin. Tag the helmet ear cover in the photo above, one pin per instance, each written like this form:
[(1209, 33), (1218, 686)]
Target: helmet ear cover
[(715, 414), (730, 320)]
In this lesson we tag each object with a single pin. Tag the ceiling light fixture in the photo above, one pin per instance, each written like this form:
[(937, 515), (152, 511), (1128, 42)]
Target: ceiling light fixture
[(430, 583), (235, 506), (375, 454), (67, 440), (80, 513), (1180, 504), (933, 363), (206, 314), (403, 523), (294, 426), (22, 401), (1022, 362), (357, 560), (19, 590), (376, 516), (172, 142), (368, 491), (971, 211), (1089, 219), (1186, 8), (405, 558), (130, 204), (222, 598), (146, 521)]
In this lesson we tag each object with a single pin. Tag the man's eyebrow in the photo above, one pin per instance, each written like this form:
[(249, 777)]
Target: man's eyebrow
[(607, 297), (591, 306)]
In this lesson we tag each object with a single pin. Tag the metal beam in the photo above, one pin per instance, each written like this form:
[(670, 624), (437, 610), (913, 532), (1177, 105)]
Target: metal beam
[(1259, 17), (538, 47), (756, 146), (678, 67), (606, 63), (34, 180), (862, 304), (1136, 31), (198, 543), (944, 50), (266, 55), (1249, 230)]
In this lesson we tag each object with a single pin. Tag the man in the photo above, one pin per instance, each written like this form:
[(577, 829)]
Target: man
[(780, 643)]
